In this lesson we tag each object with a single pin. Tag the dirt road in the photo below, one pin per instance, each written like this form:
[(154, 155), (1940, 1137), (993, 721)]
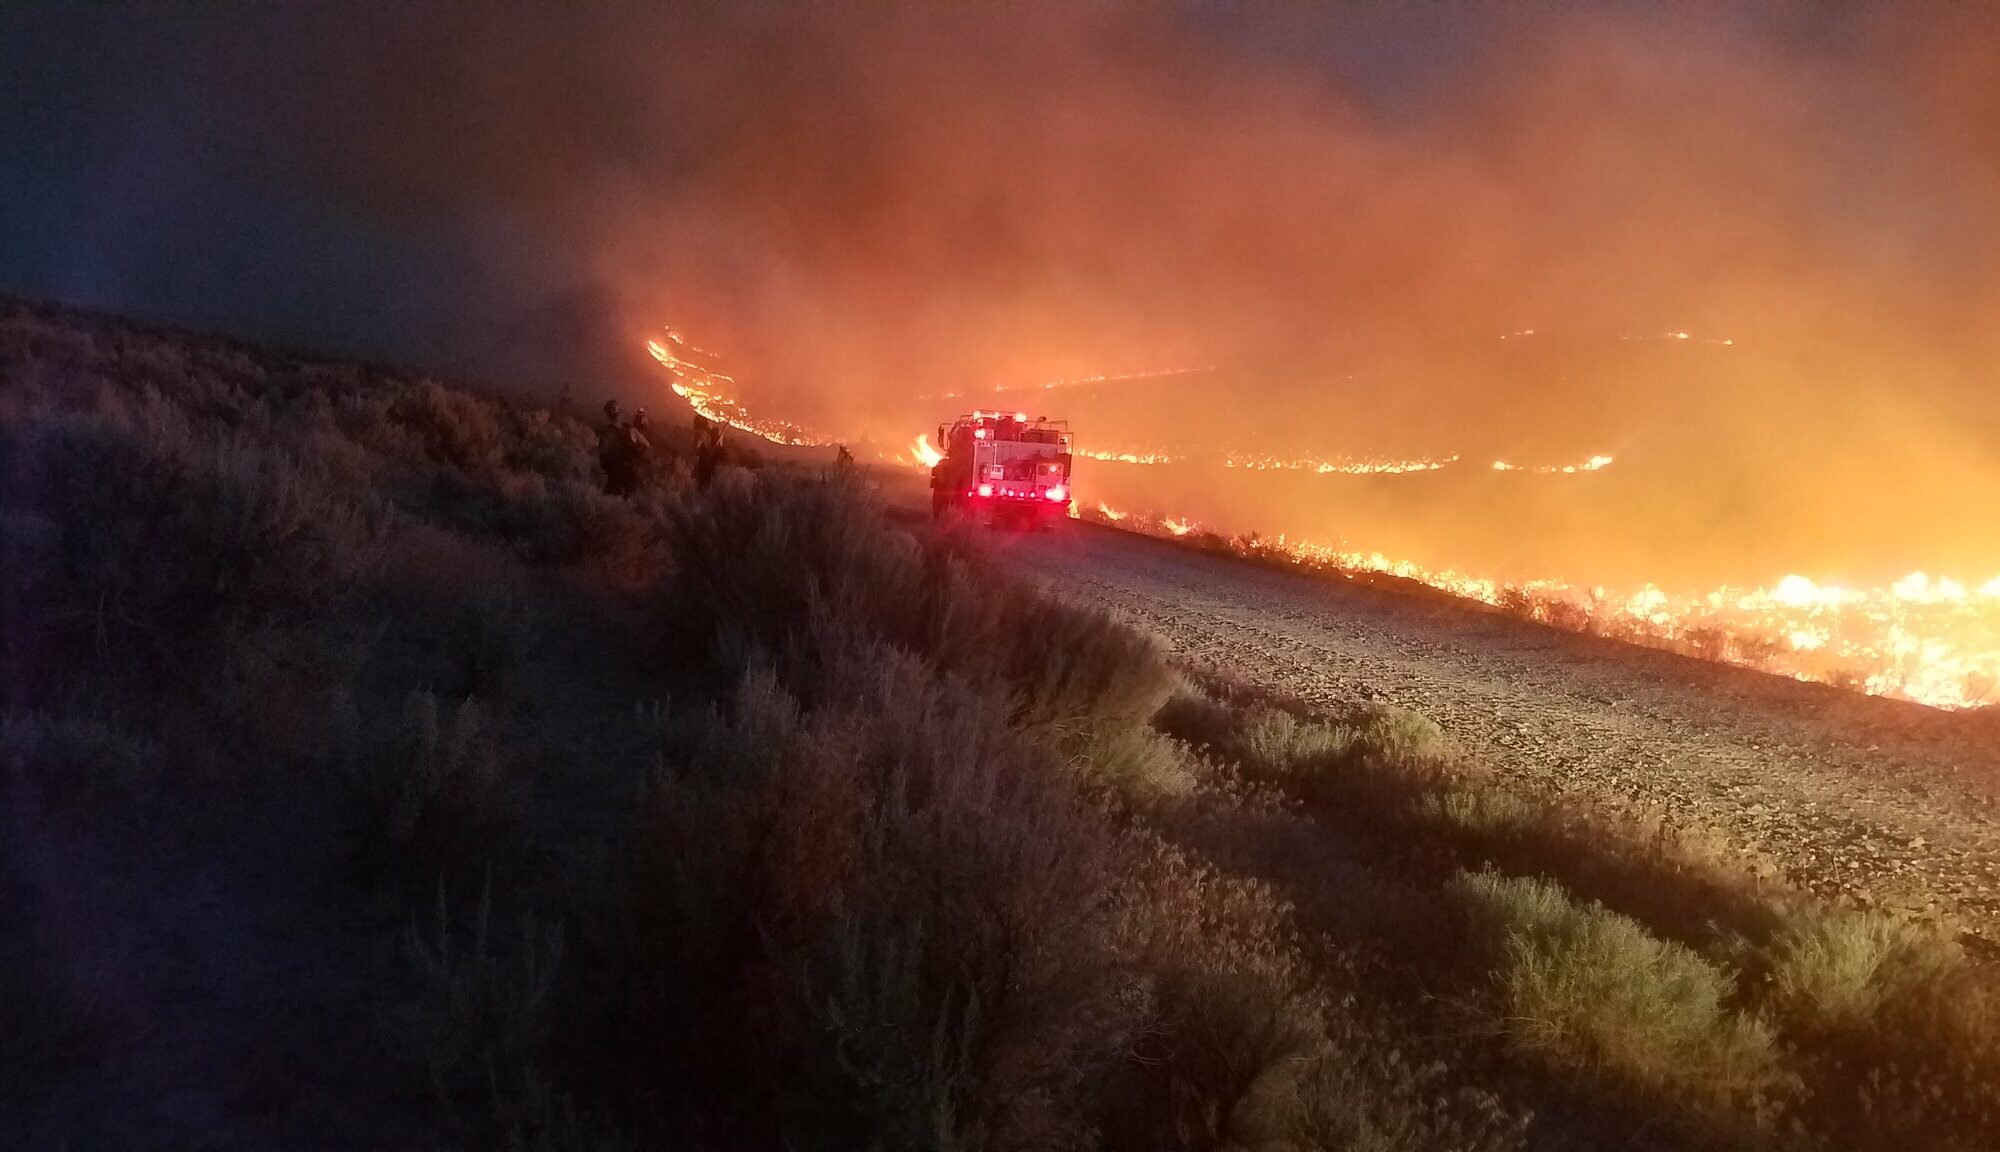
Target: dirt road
[(1884, 802)]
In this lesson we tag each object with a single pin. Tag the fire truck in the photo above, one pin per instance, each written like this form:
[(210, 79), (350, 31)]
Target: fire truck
[(1001, 467)]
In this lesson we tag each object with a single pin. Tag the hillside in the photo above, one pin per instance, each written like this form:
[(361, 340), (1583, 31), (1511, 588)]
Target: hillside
[(372, 779)]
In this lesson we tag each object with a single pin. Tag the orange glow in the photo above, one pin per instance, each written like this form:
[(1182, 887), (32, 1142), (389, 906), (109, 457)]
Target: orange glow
[(1929, 639), (1591, 465), (1342, 465), (1932, 640), (1347, 466), (707, 392), (925, 455), (1128, 457)]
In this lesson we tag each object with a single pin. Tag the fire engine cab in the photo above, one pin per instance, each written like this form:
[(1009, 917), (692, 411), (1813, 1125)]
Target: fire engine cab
[(1003, 467)]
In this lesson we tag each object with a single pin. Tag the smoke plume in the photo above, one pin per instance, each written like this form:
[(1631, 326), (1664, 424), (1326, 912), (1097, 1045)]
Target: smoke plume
[(1340, 212)]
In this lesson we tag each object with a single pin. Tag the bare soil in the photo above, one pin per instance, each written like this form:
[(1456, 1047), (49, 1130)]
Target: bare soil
[(1875, 801)]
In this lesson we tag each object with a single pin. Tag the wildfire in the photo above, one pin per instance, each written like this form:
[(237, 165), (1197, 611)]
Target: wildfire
[(1932, 640), (925, 455), (1341, 465), (1347, 466), (1591, 465), (1935, 640), (1144, 457), (706, 393)]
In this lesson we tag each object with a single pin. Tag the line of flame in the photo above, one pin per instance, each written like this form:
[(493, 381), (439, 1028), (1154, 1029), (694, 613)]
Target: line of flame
[(1929, 639)]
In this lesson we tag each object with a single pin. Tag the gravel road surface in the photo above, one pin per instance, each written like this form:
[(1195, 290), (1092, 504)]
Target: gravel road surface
[(1875, 800)]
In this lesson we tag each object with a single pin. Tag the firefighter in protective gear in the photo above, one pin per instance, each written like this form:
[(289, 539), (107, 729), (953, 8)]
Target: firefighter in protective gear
[(707, 449), (626, 452)]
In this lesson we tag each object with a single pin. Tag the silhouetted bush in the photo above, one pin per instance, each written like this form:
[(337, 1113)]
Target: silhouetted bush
[(429, 798), (480, 1019), (77, 762), (801, 569), (157, 535), (892, 898)]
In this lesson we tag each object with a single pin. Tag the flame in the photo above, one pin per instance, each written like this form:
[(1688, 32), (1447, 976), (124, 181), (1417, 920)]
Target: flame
[(1933, 640), (706, 393), (1593, 464), (1136, 457), (1349, 466), (925, 455)]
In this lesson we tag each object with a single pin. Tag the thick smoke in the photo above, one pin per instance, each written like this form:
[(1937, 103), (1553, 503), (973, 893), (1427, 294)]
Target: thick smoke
[(1342, 211)]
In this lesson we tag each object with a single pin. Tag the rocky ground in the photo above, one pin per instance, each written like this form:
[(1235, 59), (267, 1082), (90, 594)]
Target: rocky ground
[(1877, 801)]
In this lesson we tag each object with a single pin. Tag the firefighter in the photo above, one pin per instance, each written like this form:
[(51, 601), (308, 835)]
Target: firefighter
[(842, 458), (627, 455), (612, 451), (707, 449)]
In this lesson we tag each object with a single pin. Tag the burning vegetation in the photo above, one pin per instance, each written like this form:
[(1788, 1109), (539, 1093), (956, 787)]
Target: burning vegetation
[(1934, 640)]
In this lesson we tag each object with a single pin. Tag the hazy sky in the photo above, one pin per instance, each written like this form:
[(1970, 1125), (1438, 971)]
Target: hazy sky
[(864, 202)]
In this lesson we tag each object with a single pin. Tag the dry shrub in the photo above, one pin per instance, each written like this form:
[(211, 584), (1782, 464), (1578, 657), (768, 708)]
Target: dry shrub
[(456, 428), (52, 1018), (756, 559), (480, 1018), (881, 918), (1682, 881), (1234, 1020), (800, 569), (1838, 971), (1074, 666), (1486, 814), (1197, 717), (1588, 989), (1247, 1046), (429, 799), (488, 638), (158, 535), (1370, 751), (572, 521), (1898, 1032), (76, 761), (1136, 761)]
